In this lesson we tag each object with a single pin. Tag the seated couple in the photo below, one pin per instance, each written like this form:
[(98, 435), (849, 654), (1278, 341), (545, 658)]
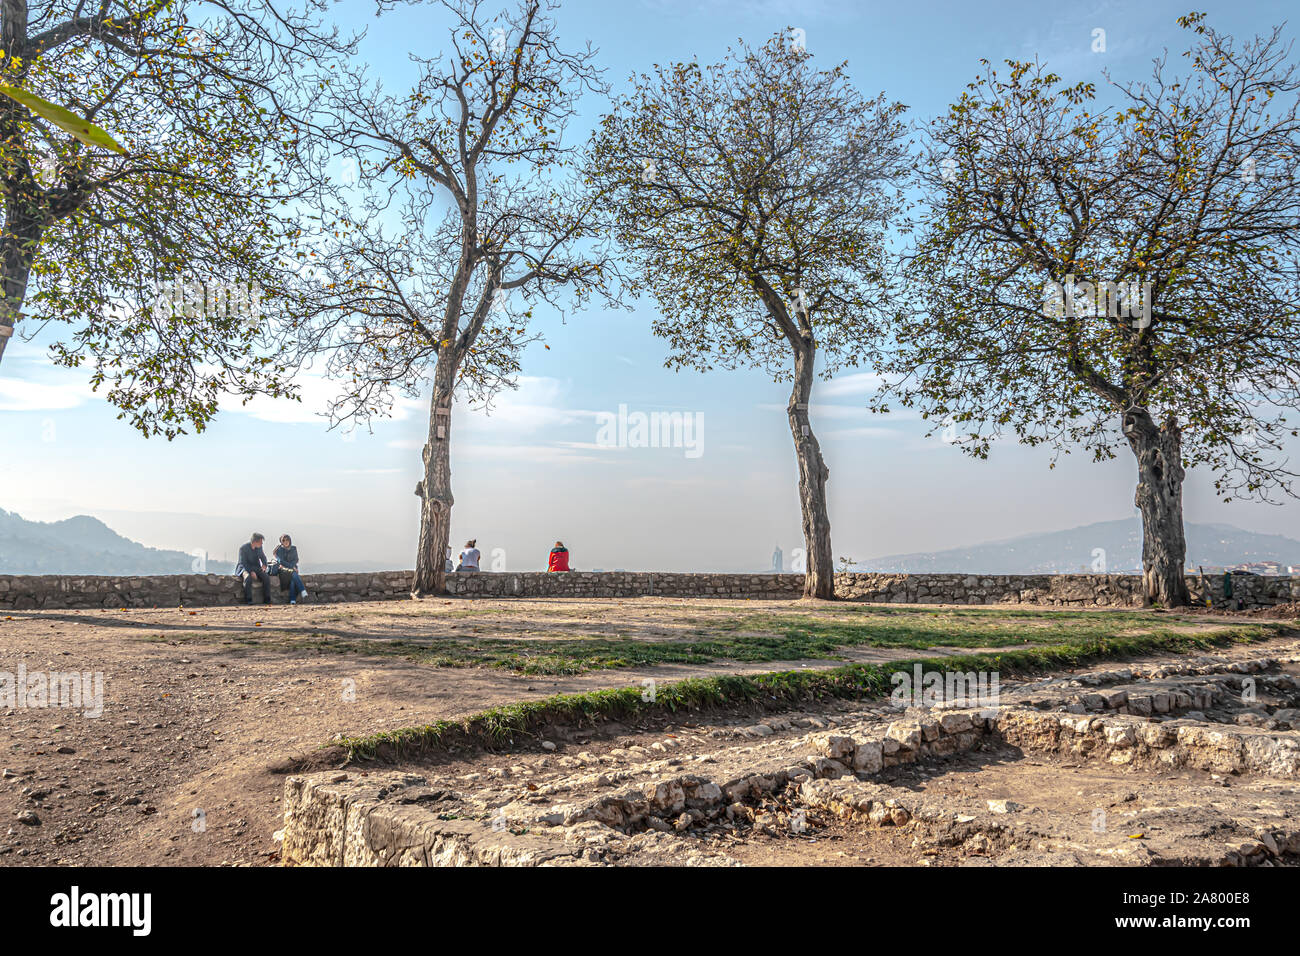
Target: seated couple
[(284, 564)]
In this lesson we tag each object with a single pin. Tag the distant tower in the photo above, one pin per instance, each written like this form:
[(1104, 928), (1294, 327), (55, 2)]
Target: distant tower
[(777, 564)]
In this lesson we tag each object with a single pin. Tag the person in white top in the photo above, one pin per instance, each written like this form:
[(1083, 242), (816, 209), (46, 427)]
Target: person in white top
[(468, 557)]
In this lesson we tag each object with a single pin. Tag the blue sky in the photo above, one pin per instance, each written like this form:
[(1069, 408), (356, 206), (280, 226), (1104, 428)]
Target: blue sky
[(530, 471)]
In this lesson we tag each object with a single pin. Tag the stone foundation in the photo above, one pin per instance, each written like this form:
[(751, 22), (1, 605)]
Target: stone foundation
[(1138, 718)]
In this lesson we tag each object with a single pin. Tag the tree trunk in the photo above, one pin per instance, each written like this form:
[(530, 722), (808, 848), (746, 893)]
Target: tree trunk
[(17, 250), (1160, 499), (819, 577), (435, 490)]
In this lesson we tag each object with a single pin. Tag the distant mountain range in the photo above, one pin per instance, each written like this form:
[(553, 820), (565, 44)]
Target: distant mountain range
[(1074, 550), (85, 545), (79, 545)]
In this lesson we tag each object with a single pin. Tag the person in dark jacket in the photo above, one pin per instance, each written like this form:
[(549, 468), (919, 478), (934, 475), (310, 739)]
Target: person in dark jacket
[(559, 558), (252, 564), (286, 558)]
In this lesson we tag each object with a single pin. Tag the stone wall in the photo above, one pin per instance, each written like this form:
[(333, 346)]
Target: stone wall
[(625, 584), (1060, 590), (24, 592), (30, 592)]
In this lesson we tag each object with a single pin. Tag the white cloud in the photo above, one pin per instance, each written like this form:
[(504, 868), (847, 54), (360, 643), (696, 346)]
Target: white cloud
[(816, 410), (531, 409), (317, 392), (530, 453), (859, 383), (864, 432), (537, 403), (24, 395), (587, 446)]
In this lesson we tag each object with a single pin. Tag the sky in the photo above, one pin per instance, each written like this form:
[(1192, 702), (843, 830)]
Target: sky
[(532, 469)]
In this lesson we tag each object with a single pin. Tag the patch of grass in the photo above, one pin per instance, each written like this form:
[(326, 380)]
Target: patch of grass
[(756, 637), (500, 726), (921, 628)]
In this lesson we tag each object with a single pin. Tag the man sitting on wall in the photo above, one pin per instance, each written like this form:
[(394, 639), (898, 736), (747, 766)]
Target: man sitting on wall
[(252, 564)]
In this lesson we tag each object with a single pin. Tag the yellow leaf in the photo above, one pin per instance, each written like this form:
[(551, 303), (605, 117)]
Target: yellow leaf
[(66, 120)]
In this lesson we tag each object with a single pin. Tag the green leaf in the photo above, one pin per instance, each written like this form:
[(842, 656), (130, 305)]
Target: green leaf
[(64, 119)]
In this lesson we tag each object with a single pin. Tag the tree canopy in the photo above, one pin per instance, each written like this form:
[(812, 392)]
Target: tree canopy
[(1117, 274), (203, 96), (738, 185), (1182, 196)]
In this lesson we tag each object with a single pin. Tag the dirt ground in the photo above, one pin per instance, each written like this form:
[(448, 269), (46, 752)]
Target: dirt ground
[(197, 708)]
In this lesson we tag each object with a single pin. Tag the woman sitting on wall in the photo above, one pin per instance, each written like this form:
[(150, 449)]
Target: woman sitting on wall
[(286, 557), (559, 558)]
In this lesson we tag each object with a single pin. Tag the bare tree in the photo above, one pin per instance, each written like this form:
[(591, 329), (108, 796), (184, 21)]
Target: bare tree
[(1121, 275), (752, 196), (490, 222)]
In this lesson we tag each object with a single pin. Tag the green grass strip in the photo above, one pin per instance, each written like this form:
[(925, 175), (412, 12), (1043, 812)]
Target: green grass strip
[(499, 726)]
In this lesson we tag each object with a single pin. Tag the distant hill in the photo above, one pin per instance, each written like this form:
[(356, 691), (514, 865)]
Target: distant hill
[(85, 545), (1059, 552), (79, 545)]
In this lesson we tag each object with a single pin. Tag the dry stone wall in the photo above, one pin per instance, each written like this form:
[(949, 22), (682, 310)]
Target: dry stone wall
[(1061, 590), (33, 592)]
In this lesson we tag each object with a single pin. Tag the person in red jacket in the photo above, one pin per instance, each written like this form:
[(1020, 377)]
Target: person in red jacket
[(559, 558)]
